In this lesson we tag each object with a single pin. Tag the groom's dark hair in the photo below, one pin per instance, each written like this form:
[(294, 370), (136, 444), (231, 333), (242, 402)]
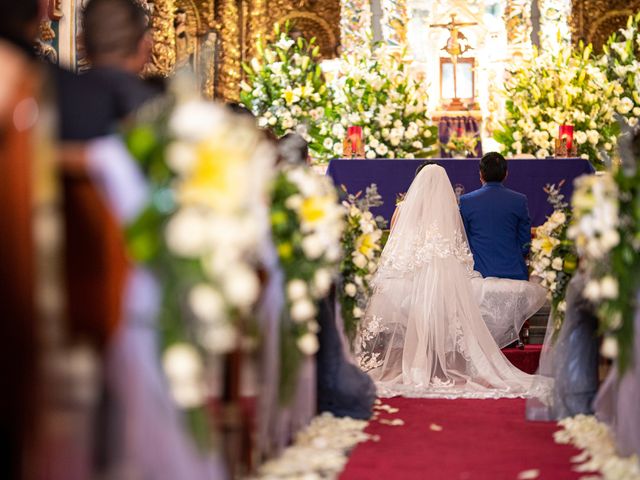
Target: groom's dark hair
[(493, 167)]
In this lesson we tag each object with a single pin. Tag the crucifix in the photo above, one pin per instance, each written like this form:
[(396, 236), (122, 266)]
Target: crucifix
[(457, 45)]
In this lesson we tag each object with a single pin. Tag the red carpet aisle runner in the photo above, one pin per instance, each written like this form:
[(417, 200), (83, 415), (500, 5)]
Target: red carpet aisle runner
[(479, 439), (526, 360)]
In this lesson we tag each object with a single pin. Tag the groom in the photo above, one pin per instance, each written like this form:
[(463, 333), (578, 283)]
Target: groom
[(497, 223)]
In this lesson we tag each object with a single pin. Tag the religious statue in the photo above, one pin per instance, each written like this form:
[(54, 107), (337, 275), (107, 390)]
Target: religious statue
[(457, 44), (185, 47), (457, 76)]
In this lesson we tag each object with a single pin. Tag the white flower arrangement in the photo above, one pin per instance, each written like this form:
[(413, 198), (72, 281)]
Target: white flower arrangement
[(597, 443), (596, 217), (307, 221), (605, 228), (209, 172), (556, 88), (621, 64), (286, 90), (215, 222), (553, 256), (362, 246), (319, 451), (376, 90)]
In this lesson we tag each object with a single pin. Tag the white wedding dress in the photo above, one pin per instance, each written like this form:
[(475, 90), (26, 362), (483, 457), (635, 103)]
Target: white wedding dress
[(423, 334)]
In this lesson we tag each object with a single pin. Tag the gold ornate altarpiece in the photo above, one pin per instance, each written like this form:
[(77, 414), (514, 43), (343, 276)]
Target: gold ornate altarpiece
[(216, 36)]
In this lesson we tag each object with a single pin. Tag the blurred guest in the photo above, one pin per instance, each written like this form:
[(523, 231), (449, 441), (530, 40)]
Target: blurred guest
[(240, 109), (570, 358), (118, 45), (293, 149), (22, 110)]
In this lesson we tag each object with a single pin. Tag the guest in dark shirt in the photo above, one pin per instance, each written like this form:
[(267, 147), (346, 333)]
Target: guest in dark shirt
[(118, 45)]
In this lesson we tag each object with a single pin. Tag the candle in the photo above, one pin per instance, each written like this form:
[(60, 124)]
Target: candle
[(566, 131)]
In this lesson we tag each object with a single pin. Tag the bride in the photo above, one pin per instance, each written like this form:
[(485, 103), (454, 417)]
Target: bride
[(423, 334)]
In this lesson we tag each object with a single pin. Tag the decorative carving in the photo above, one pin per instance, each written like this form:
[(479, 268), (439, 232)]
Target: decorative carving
[(163, 56), (319, 19), (517, 16), (54, 10), (555, 32), (394, 22), (593, 21), (310, 25), (231, 55), (258, 25), (186, 26), (44, 47), (355, 25)]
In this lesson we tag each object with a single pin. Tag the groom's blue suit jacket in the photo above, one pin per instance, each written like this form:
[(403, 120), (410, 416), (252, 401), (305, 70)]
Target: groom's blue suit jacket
[(499, 229)]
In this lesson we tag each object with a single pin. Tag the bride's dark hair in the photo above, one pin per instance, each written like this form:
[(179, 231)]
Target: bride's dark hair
[(424, 164)]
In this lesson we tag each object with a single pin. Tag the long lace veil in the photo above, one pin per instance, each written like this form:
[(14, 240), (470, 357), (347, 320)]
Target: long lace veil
[(423, 333)]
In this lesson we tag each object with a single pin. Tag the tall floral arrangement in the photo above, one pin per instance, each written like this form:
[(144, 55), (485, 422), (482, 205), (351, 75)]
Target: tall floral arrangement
[(620, 61), (361, 247), (307, 221), (606, 228), (555, 88), (376, 90), (553, 256), (286, 90), (209, 172)]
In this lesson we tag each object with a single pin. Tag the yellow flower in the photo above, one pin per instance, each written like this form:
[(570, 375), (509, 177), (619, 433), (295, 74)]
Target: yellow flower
[(366, 244), (285, 250), (313, 209), (278, 218), (290, 96), (584, 201), (217, 176)]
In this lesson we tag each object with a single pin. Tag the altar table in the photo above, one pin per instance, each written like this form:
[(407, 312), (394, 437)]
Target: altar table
[(527, 176)]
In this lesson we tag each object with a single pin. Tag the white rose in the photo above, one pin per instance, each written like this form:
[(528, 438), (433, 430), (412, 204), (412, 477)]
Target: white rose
[(350, 289), (206, 302), (312, 247), (183, 366), (186, 233), (609, 348), (609, 288), (610, 239), (241, 286), (580, 137), (303, 310), (517, 136), (296, 290), (328, 143), (194, 120), (308, 344), (557, 263), (625, 105), (322, 281), (370, 155), (593, 137), (220, 339), (357, 312), (562, 306), (382, 149), (592, 290), (181, 157), (360, 260)]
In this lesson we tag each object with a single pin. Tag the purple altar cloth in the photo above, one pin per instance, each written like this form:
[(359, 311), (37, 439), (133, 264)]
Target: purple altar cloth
[(525, 176)]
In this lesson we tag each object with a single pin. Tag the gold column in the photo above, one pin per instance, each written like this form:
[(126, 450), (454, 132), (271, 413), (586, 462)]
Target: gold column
[(258, 25), (231, 58), (164, 39)]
